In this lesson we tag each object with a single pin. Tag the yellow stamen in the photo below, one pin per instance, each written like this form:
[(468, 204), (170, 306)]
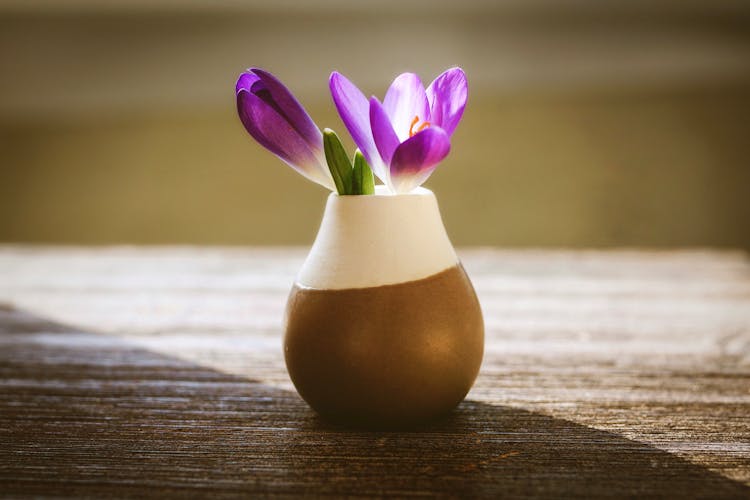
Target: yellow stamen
[(421, 127), (411, 128)]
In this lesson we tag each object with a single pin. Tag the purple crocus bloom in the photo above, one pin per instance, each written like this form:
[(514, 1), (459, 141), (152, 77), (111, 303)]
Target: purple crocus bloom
[(404, 137), (275, 119)]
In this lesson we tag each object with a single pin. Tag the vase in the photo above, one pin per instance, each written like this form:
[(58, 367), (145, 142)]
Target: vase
[(382, 325)]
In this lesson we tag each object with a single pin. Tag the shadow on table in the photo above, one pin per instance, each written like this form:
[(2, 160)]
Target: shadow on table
[(88, 414)]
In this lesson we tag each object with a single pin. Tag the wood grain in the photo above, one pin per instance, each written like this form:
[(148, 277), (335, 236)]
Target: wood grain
[(158, 372)]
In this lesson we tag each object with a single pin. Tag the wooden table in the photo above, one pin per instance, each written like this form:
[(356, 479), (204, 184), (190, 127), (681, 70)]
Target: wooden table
[(159, 371)]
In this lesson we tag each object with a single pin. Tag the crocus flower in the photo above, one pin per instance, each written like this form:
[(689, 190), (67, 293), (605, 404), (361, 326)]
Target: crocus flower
[(408, 134), (275, 119)]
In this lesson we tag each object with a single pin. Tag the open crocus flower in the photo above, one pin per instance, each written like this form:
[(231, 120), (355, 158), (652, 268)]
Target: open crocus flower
[(275, 119), (405, 137)]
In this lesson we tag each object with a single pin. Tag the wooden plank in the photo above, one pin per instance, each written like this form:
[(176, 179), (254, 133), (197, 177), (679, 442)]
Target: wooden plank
[(129, 371)]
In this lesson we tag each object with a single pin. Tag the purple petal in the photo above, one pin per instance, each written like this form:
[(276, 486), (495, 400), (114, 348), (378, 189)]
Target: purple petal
[(271, 90), (415, 159), (246, 81), (405, 100), (274, 133), (382, 131), (447, 95), (354, 110)]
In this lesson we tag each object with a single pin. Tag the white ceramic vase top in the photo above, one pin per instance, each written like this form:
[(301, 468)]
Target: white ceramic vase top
[(381, 239)]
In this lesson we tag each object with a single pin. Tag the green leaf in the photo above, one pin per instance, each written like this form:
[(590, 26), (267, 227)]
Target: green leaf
[(363, 181), (338, 162)]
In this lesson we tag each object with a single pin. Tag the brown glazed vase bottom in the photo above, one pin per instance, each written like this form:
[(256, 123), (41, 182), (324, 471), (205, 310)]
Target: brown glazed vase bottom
[(386, 356)]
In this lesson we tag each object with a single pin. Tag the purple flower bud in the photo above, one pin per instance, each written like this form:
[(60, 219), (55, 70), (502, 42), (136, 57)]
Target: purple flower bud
[(275, 119)]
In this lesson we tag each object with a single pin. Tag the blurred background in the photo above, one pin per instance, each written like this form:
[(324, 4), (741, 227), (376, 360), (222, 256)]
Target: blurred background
[(589, 123)]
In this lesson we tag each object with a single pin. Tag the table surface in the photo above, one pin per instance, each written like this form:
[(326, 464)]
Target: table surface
[(158, 371)]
